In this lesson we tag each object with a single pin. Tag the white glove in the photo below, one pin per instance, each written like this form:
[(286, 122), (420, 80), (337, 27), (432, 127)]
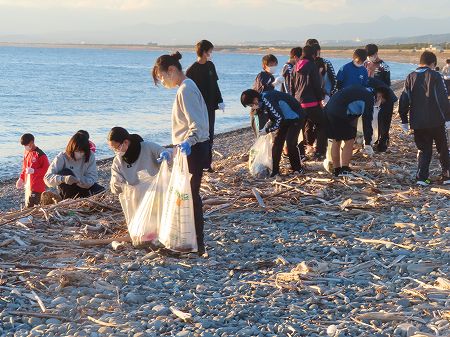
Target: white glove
[(447, 125), (278, 80), (368, 150), (325, 100), (405, 127), (19, 184), (29, 170), (262, 132), (222, 106)]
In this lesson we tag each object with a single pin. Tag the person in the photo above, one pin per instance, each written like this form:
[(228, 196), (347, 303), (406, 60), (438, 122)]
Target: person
[(354, 72), (288, 67), (190, 129), (326, 70), (446, 75), (379, 70), (34, 166), (306, 87), (264, 81), (74, 171), (342, 112), (286, 119), (203, 73), (424, 107), (92, 146), (132, 155)]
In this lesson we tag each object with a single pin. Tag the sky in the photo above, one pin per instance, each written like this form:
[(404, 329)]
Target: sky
[(46, 16)]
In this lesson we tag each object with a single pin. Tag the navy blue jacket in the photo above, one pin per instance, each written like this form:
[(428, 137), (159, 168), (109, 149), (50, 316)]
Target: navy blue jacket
[(279, 106), (340, 106), (306, 84), (349, 75)]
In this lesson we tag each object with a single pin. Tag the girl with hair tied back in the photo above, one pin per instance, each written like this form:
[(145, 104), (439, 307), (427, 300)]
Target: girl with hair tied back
[(190, 128)]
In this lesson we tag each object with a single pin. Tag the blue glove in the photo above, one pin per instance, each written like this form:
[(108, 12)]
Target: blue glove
[(185, 148), (165, 155)]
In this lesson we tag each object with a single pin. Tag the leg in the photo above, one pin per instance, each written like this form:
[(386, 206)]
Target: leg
[(212, 121), (384, 125), (277, 148), (440, 139), (196, 162), (321, 124), (96, 189), (347, 152), (424, 142), (310, 132), (33, 200), (291, 140), (336, 153), (70, 191)]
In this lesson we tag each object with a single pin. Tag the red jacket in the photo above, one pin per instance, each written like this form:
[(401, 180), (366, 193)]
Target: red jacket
[(38, 161)]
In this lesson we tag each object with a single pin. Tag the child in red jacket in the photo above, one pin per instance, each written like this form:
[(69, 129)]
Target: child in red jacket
[(34, 167)]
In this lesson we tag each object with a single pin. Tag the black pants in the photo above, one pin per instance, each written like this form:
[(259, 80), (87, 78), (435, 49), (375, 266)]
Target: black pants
[(33, 199), (424, 141), (288, 132), (197, 161), (316, 129), (74, 191), (384, 125), (212, 121)]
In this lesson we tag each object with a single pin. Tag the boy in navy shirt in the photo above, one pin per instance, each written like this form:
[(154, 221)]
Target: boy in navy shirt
[(353, 73)]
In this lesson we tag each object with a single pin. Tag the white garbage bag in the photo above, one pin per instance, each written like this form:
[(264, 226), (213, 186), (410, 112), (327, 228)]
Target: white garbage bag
[(260, 157), (177, 230), (144, 225)]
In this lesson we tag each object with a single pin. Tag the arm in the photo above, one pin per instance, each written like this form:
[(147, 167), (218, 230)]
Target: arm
[(90, 177), (22, 173), (190, 103), (331, 76), (317, 84), (117, 179), (340, 79), (441, 95), (367, 122), (275, 114), (404, 104), (386, 74), (41, 167), (52, 178), (216, 79)]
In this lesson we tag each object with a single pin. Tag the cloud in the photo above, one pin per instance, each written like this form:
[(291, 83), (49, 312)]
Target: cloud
[(98, 4)]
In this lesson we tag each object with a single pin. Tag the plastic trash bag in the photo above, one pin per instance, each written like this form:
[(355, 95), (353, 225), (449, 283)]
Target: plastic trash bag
[(260, 157), (177, 230), (144, 225), (360, 131), (28, 190), (132, 195)]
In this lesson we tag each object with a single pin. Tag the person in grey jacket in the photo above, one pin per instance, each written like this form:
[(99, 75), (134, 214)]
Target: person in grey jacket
[(133, 154), (74, 171)]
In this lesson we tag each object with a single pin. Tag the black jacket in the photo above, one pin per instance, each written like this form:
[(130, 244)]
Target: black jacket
[(205, 77), (306, 84), (327, 74), (424, 99)]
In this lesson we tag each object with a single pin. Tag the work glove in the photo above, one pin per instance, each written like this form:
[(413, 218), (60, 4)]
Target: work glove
[(405, 128), (447, 125), (70, 180), (19, 184), (185, 148), (278, 80), (165, 155), (222, 106), (368, 150), (29, 170)]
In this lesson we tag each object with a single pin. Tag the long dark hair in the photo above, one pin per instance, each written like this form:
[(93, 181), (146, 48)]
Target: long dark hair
[(78, 142), (163, 63)]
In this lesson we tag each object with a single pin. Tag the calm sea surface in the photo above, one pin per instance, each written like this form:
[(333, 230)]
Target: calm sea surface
[(52, 93)]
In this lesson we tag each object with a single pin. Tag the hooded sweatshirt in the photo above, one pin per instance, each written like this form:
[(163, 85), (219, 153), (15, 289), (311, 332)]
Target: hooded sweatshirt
[(349, 75), (38, 161), (306, 84), (85, 172)]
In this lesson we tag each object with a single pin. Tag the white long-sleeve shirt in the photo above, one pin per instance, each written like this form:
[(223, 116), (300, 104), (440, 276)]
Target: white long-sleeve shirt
[(189, 115)]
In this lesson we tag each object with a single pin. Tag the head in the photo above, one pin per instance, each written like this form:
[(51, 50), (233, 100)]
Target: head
[(359, 56), (204, 48), (381, 95), (310, 42), (27, 140), (372, 52), (167, 70), (78, 147), (250, 98), (308, 52), (119, 140), (270, 63), (84, 132), (448, 61), (295, 54), (437, 69), (428, 59), (316, 49)]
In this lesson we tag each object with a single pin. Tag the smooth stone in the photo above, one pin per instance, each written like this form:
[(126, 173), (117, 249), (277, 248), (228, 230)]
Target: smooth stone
[(133, 298), (58, 300), (53, 321)]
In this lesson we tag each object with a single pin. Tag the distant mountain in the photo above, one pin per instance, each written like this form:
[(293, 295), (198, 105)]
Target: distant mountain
[(382, 30)]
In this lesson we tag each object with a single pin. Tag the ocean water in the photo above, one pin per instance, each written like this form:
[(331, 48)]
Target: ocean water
[(53, 92)]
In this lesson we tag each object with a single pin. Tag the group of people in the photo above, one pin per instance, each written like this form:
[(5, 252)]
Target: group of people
[(313, 101), (314, 105)]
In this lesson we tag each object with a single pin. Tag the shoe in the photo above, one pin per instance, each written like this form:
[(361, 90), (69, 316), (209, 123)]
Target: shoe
[(209, 170), (303, 158), (445, 180), (345, 171), (337, 171), (319, 157), (425, 182), (301, 170), (380, 148)]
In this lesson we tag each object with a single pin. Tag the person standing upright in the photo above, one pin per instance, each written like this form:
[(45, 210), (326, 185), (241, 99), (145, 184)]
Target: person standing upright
[(203, 73), (354, 72), (286, 71)]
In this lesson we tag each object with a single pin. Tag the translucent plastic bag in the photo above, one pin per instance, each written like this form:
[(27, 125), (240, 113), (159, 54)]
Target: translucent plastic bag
[(144, 225), (177, 230), (27, 188), (132, 195), (360, 131), (260, 157)]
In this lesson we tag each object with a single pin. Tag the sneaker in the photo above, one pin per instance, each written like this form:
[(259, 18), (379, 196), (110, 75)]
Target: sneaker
[(303, 158), (345, 171), (445, 180), (337, 171), (319, 157), (425, 182), (380, 148), (300, 171)]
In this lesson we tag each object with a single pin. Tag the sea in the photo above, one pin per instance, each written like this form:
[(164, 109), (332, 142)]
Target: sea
[(53, 92)]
